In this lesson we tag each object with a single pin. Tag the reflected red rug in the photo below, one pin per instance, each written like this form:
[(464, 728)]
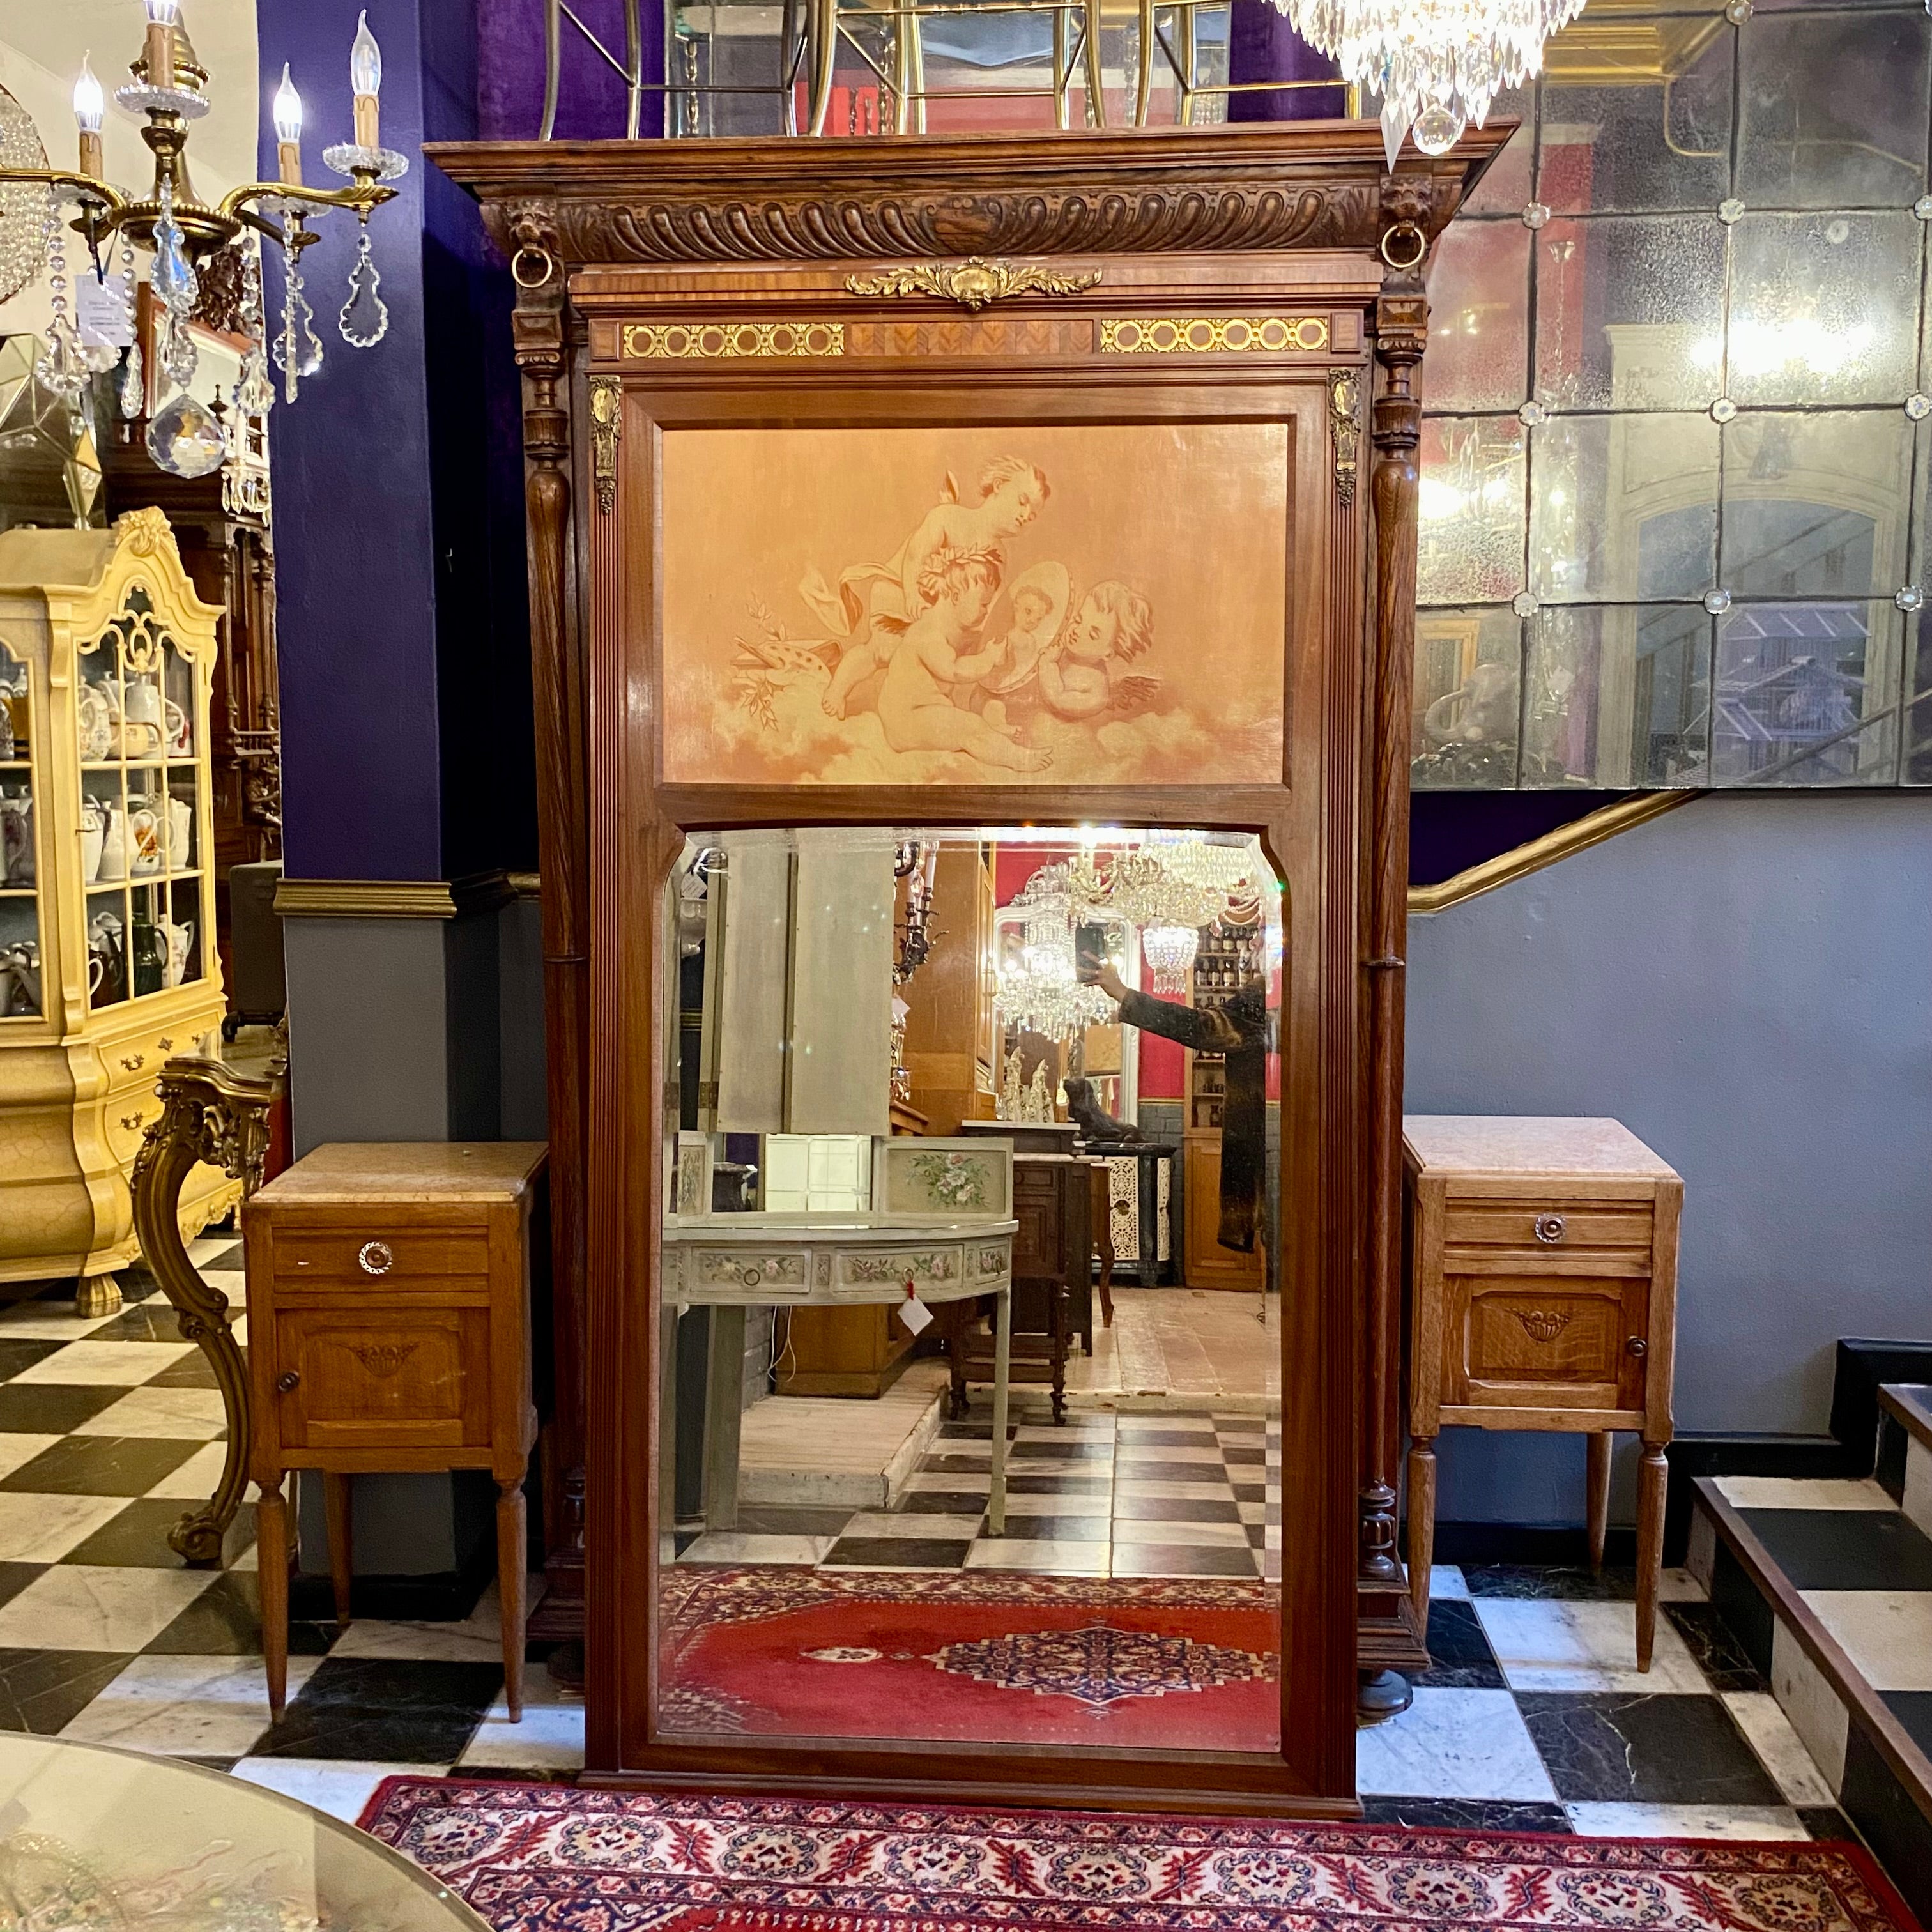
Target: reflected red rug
[(547, 1858), (993, 1656)]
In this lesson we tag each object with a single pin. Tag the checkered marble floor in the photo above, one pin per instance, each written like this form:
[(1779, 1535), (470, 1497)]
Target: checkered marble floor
[(1533, 1716), (1101, 1495)]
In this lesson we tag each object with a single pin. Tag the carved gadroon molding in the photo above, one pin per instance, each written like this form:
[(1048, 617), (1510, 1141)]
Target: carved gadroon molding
[(1263, 188), (973, 283)]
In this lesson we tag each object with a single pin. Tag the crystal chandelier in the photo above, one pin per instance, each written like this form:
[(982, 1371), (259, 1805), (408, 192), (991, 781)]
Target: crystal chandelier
[(1436, 65), (93, 321), (1170, 951), (1039, 986), (1172, 879)]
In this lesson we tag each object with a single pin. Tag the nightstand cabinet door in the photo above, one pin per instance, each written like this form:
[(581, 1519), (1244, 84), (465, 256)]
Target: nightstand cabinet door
[(350, 1376), (1523, 1341)]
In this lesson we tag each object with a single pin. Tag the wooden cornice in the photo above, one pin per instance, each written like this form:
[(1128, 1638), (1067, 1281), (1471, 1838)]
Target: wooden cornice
[(1265, 186)]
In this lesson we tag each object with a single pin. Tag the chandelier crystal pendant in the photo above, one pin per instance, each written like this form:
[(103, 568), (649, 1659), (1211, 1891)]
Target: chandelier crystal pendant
[(1437, 66), (1170, 951)]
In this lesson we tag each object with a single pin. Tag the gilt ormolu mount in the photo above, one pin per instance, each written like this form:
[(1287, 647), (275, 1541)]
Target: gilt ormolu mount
[(676, 277)]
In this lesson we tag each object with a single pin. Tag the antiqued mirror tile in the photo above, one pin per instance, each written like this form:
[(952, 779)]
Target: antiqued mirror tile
[(1466, 699), (1479, 317), (1471, 510)]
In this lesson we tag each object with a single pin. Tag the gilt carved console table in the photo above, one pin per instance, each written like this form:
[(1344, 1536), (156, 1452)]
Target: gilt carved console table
[(1253, 290)]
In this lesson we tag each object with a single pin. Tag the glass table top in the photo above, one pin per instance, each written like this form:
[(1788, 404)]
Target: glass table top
[(93, 1837)]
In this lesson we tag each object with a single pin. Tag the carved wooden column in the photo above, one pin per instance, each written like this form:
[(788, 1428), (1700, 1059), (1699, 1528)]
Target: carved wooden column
[(543, 355), (1391, 1641)]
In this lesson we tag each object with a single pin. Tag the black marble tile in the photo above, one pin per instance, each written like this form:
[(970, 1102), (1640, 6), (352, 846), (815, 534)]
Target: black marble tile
[(1460, 1656), (1071, 1449), (1130, 1471), (897, 1552), (1166, 1438), (1234, 1454), (1028, 1484), (1727, 1665), (1239, 1425), (382, 1709), (154, 1321), (932, 1502), (1644, 1747), (1049, 1529), (51, 1408), (1550, 1580), (1913, 1709), (1250, 1493), (1464, 1814), (951, 1465), (225, 1621), (1743, 1607), (23, 1353), (765, 1519), (681, 1540), (1181, 1559), (1889, 1820), (1257, 1535), (100, 1465), (1204, 1508), (14, 1577), (194, 1371), (44, 1690), (137, 1538), (1845, 1550), (1825, 1822), (223, 1259)]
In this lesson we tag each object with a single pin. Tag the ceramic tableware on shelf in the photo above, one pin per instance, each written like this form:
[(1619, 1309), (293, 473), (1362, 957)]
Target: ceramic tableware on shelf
[(14, 708), (6, 725), (19, 979), (177, 840), (104, 948), (94, 709), (174, 722), (178, 938), (93, 835), (147, 958), (144, 841), (113, 865), (17, 838)]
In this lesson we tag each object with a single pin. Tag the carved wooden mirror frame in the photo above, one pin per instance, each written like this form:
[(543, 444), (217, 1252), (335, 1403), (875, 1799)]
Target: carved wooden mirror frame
[(945, 258)]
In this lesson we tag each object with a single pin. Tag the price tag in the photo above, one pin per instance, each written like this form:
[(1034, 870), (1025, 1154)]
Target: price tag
[(913, 1312), (101, 311)]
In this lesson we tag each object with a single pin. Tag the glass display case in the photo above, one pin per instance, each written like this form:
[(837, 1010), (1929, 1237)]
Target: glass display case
[(107, 961)]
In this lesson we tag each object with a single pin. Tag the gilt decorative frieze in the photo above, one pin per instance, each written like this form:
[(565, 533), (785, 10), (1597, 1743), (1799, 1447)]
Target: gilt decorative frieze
[(716, 341), (1213, 334), (1345, 425), (973, 283), (607, 424)]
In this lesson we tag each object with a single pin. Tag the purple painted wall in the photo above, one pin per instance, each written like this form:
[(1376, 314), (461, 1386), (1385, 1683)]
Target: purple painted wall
[(405, 684), (590, 100), (1261, 45)]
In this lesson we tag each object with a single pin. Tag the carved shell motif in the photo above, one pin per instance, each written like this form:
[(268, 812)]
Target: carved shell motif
[(1542, 1324), (382, 1359)]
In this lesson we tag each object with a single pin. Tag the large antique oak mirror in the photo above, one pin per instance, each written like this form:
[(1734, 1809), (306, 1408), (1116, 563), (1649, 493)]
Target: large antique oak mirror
[(972, 628)]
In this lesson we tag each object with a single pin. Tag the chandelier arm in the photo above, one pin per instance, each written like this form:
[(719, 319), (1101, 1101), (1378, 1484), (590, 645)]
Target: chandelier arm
[(365, 197), (85, 187)]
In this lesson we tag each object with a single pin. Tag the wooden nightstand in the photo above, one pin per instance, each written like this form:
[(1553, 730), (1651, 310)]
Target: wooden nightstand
[(389, 1330), (1543, 1282)]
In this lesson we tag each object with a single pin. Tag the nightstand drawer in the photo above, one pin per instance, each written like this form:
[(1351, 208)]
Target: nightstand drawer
[(1517, 1342), (1547, 1225), (377, 1251), (348, 1379)]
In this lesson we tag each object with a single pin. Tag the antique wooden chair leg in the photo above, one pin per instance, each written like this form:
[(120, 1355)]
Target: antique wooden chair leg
[(337, 1508), (1421, 1524), (1652, 1478), (271, 1523), (1058, 1297), (511, 1537), (1599, 1486)]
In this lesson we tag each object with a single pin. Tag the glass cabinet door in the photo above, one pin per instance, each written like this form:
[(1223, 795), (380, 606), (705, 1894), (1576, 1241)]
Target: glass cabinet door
[(19, 908)]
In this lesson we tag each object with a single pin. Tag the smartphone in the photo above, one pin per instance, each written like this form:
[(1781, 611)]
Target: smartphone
[(1090, 942)]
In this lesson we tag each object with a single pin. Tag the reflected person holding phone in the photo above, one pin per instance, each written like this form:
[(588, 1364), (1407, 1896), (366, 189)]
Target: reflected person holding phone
[(1240, 1030)]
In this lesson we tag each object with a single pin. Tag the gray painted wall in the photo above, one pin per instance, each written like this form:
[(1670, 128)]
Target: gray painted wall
[(1743, 983)]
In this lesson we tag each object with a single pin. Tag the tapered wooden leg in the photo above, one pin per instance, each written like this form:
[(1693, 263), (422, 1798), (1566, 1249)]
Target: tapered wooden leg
[(1003, 1356), (1421, 1523), (511, 1537), (1058, 1342), (1599, 1485), (271, 1543), (339, 1511), (1652, 1478)]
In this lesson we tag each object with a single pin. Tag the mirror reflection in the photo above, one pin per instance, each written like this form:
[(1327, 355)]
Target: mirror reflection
[(970, 1357)]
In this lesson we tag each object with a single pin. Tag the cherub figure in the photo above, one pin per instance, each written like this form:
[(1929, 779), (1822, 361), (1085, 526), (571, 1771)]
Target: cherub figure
[(875, 602), (1037, 601), (1085, 673), (914, 708)]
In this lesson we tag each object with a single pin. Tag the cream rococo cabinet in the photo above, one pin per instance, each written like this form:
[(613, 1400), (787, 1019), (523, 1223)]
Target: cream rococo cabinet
[(107, 960)]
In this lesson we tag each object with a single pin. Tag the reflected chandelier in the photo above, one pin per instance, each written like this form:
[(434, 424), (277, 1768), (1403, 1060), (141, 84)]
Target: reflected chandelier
[(1437, 64)]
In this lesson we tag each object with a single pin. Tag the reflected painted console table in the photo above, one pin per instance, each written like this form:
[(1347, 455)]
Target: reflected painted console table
[(730, 1262)]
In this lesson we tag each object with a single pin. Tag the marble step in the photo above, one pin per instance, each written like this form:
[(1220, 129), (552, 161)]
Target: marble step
[(1828, 1586), (1905, 1447)]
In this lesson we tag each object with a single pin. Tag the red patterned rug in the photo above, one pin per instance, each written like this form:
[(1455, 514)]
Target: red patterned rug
[(547, 1858), (984, 1655)]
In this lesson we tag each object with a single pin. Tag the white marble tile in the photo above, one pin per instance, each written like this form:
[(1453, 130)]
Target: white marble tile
[(1447, 1584), (1779, 1749), (106, 1364), (1685, 1821), (549, 1736), (1701, 1560), (42, 1529), (179, 1414), (1247, 1512), (736, 1545), (1813, 1707), (186, 1706), (477, 1639), (98, 1606), (1681, 1586), (1917, 1503), (195, 1479), (341, 1786), (915, 1523), (1886, 1633), (1544, 1644), (1453, 1744), (1212, 1483), (960, 1482), (47, 1321), (1098, 1508), (1800, 1493), (1131, 1453), (1053, 1558), (1205, 1535), (16, 1451)]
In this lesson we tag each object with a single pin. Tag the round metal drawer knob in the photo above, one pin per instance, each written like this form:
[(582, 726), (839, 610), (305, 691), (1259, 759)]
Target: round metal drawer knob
[(1549, 1229), (1637, 1345), (287, 1380), (376, 1257)]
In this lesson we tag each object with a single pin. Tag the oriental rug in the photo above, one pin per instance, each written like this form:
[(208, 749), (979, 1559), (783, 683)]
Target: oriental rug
[(547, 1858), (1002, 1657)]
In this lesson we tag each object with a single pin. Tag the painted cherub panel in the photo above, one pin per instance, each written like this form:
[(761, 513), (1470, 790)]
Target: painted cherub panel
[(1084, 605)]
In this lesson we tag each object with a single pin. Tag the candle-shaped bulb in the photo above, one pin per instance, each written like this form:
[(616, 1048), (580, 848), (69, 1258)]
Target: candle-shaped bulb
[(164, 12), (365, 60), (287, 109), (90, 104)]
